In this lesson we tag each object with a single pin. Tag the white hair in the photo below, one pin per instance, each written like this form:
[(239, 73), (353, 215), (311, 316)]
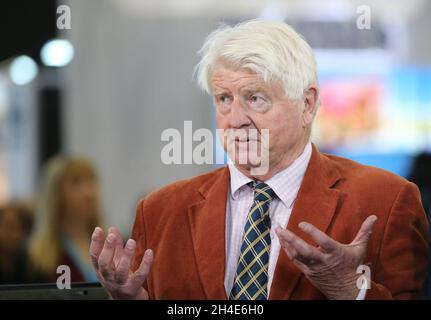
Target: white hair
[(272, 50)]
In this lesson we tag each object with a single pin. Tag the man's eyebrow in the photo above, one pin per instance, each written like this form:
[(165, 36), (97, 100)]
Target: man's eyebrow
[(254, 88), (218, 91)]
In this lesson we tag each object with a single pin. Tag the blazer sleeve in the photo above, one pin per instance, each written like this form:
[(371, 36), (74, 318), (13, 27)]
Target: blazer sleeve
[(138, 234), (403, 257)]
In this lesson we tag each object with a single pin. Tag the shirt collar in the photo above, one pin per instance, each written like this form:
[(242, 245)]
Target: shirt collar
[(285, 184)]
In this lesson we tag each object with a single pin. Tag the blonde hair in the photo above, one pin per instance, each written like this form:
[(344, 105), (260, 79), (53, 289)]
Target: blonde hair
[(273, 50), (45, 242)]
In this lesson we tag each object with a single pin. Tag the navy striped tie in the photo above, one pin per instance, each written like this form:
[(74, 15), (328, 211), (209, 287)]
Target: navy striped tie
[(251, 278)]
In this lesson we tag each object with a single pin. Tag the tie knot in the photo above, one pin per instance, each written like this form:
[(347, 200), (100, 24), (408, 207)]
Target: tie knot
[(262, 192)]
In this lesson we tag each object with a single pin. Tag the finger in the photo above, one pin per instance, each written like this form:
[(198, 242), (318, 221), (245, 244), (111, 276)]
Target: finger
[(118, 246), (302, 266), (322, 239), (141, 273), (306, 253), (96, 246), (290, 251), (365, 231), (293, 255), (123, 269), (107, 255)]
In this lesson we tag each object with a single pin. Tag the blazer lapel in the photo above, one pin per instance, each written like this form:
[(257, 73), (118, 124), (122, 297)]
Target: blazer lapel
[(207, 223), (316, 203)]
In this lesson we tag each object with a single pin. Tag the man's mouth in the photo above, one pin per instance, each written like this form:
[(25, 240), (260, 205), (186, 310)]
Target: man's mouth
[(242, 139)]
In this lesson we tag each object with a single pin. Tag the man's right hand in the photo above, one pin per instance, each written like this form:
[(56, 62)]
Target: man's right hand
[(112, 262)]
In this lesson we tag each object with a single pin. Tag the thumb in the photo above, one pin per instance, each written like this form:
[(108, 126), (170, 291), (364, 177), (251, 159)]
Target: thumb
[(365, 231)]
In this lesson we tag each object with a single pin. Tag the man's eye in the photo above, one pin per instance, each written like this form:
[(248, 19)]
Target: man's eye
[(223, 99), (256, 99)]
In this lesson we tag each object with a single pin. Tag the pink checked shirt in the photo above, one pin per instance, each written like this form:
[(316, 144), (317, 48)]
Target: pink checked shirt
[(286, 185)]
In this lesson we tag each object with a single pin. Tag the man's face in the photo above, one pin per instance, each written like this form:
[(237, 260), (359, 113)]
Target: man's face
[(244, 103)]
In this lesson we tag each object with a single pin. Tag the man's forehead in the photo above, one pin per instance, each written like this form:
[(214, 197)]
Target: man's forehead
[(227, 79), (223, 76)]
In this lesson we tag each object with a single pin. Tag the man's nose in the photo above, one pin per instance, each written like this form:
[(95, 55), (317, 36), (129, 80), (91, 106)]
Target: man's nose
[(238, 115)]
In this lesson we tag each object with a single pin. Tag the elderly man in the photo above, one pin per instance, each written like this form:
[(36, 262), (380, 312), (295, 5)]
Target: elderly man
[(311, 226)]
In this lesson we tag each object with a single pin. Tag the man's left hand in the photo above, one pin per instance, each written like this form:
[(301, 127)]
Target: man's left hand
[(330, 267)]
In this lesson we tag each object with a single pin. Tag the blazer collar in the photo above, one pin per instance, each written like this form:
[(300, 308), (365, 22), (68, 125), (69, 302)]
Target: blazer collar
[(207, 222), (316, 203)]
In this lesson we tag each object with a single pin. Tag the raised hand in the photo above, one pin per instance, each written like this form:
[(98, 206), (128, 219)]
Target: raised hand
[(112, 262), (331, 267)]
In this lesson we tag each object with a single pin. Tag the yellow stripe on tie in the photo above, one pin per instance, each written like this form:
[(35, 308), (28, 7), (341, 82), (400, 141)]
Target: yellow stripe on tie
[(254, 255)]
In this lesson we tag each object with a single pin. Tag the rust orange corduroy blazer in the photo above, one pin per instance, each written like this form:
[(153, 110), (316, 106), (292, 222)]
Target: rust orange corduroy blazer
[(184, 223)]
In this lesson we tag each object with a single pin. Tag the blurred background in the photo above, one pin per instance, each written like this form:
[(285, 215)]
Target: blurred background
[(86, 91)]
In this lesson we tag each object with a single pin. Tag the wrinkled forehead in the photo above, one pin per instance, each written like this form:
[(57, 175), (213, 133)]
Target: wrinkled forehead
[(226, 76)]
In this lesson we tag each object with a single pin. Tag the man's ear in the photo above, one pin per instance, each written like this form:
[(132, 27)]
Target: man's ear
[(311, 96)]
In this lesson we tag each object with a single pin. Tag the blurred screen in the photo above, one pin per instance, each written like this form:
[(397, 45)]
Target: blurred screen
[(378, 119)]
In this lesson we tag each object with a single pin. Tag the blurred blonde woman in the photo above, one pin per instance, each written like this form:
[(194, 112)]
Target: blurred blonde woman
[(68, 211), (16, 220)]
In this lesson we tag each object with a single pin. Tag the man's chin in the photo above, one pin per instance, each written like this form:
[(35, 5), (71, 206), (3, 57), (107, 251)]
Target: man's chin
[(244, 160), (253, 171)]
